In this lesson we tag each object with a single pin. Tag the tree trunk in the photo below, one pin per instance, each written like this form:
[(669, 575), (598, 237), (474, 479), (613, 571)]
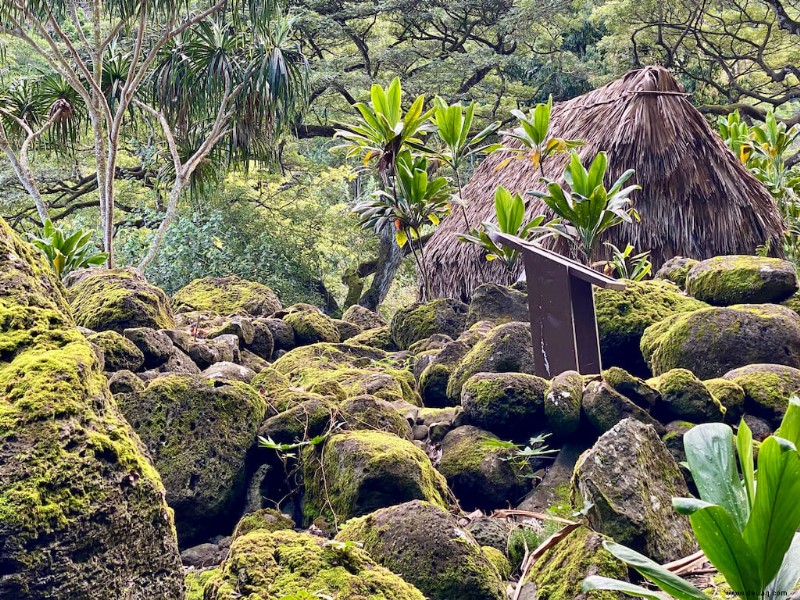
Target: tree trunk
[(390, 255)]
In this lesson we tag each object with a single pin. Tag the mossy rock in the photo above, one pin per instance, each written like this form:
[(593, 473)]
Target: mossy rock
[(712, 341), (196, 582), (76, 489), (490, 532), (282, 334), (421, 320), (379, 337), (382, 382), (327, 357), (498, 560), (623, 316), (604, 407), (510, 405), (357, 472), (673, 439), (363, 317), (633, 388), (298, 423), (198, 432), (727, 280), (118, 299), (684, 397), (426, 546), (265, 519), (562, 404), (346, 330), (370, 412), (559, 572), (265, 565), (269, 381), (505, 349), (675, 270), (730, 395), (522, 540), (434, 378), (226, 296), (480, 471), (492, 302), (119, 353), (124, 382), (767, 389), (311, 327), (630, 478)]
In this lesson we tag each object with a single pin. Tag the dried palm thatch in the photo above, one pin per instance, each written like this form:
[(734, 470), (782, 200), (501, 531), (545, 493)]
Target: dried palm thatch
[(697, 199)]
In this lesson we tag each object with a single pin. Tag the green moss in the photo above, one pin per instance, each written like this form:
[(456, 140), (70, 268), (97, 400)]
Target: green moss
[(726, 280), (74, 479), (560, 571), (311, 327), (357, 472), (327, 357), (270, 381), (266, 519), (675, 270), (684, 396), (422, 320), (119, 353), (117, 299), (730, 395), (623, 316), (267, 565), (226, 296), (498, 560), (522, 539), (767, 388), (378, 337), (562, 404), (197, 580)]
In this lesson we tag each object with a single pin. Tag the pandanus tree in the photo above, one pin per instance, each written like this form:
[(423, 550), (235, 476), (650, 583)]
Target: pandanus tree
[(214, 84)]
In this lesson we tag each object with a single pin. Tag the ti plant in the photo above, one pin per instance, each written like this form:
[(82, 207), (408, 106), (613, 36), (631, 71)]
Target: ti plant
[(67, 252), (588, 209), (624, 264), (383, 131), (533, 134), (458, 146), (510, 213), (745, 522), (414, 200)]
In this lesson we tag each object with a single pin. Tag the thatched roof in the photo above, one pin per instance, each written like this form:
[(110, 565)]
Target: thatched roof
[(697, 199)]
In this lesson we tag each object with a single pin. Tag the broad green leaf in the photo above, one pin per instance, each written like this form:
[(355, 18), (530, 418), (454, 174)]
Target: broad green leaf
[(596, 582), (789, 574), (710, 454), (744, 448), (664, 579), (720, 539), (776, 512), (790, 425)]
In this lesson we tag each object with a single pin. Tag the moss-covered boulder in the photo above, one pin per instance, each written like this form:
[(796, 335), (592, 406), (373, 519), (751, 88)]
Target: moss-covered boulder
[(264, 519), (119, 353), (490, 532), (327, 357), (282, 334), (767, 389), (346, 329), (378, 337), (198, 432), (270, 381), (265, 565), (421, 320), (311, 326), (505, 349), (630, 478), (363, 317), (712, 341), (726, 280), (435, 376), (623, 316), (370, 412), (632, 387), (730, 395), (684, 397), (383, 382), (482, 473), (226, 296), (357, 472), (124, 382), (155, 346), (559, 572), (510, 405), (492, 302), (426, 546), (76, 489), (675, 270), (303, 421), (604, 407), (562, 404), (118, 299)]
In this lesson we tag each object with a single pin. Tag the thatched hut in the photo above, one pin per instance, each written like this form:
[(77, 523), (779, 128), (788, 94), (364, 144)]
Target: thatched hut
[(697, 200)]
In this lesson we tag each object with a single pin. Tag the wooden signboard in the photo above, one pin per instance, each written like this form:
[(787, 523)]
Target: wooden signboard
[(561, 305)]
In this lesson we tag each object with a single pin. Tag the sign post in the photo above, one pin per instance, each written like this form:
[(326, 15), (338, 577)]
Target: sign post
[(561, 305)]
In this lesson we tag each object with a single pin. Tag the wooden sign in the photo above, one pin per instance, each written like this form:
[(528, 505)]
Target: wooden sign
[(561, 305)]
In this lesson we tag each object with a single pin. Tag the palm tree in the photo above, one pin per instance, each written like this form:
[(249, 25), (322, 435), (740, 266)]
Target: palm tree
[(219, 80)]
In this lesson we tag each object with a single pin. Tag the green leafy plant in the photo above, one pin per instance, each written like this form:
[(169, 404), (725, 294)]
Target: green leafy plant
[(588, 209), (536, 141), (510, 213), (458, 146), (745, 522), (521, 456), (626, 265), (414, 200), (67, 251)]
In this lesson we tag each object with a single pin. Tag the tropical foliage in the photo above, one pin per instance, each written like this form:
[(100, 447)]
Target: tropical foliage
[(67, 251)]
